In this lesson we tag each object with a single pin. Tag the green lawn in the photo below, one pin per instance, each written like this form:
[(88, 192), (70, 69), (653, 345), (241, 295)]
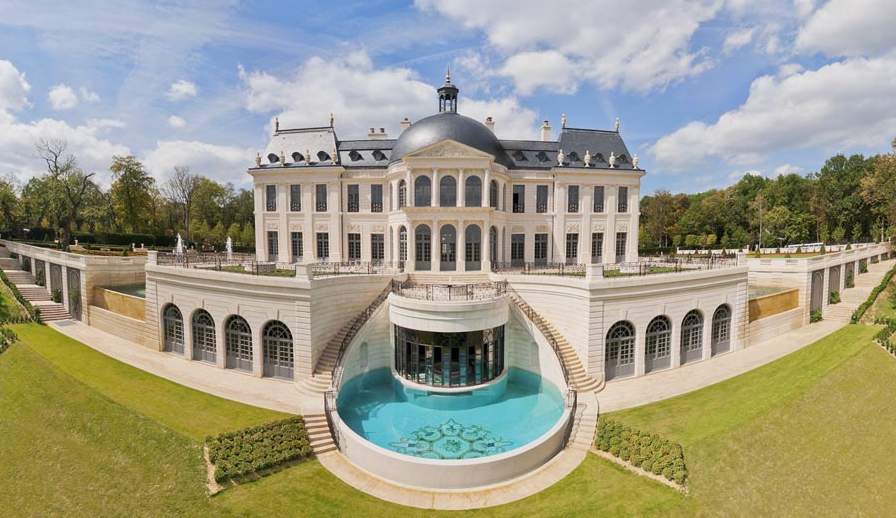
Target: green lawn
[(807, 435), (9, 308)]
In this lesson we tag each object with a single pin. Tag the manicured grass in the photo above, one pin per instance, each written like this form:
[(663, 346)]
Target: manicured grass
[(885, 304), (182, 409), (279, 272), (9, 308)]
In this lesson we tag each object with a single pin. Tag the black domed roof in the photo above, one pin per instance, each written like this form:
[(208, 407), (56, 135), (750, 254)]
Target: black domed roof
[(444, 126)]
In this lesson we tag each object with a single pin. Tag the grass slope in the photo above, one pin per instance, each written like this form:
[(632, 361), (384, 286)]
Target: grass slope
[(9, 306)]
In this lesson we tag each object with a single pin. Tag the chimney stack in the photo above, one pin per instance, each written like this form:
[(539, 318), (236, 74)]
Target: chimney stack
[(378, 135), (405, 124), (545, 132), (490, 124)]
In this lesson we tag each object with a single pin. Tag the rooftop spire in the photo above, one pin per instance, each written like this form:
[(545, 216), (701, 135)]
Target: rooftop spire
[(448, 95)]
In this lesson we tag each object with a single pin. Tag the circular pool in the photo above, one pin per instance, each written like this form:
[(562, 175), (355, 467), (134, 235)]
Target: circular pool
[(516, 419)]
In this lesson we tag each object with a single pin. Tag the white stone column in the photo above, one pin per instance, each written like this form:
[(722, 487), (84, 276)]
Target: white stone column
[(486, 187), (308, 223), (676, 342), (640, 350), (461, 246), (409, 189), (707, 333), (436, 263), (220, 342), (436, 191), (257, 354), (261, 252), (587, 206), (461, 189), (486, 247), (610, 234), (187, 315), (410, 263)]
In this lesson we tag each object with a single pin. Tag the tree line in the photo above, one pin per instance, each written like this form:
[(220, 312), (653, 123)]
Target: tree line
[(849, 199), (69, 202)]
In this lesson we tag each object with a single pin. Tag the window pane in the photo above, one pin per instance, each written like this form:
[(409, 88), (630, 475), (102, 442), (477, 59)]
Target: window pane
[(271, 198), (541, 199), (599, 198), (572, 195), (376, 198), (295, 198)]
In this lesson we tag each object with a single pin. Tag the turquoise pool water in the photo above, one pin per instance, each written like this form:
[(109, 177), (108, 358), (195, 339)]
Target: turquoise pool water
[(506, 415), (137, 290)]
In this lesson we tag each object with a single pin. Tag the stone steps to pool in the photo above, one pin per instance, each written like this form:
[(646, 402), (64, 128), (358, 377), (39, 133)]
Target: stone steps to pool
[(51, 311), (319, 434)]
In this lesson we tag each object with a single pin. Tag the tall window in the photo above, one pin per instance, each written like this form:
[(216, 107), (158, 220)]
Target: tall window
[(204, 343), (473, 192), (493, 195), (447, 192), (658, 351), (572, 198), (377, 247), (295, 198), (599, 198), (622, 200), (323, 245), (692, 337), (295, 239), (403, 244), (519, 198), (321, 197), (448, 248), (376, 198), (422, 192), (354, 247), (517, 249), (276, 346), (273, 245), (541, 248), (572, 248), (597, 247), (721, 330), (541, 199), (621, 238), (619, 355), (270, 197), (423, 247), (473, 247), (354, 198), (174, 330), (402, 194)]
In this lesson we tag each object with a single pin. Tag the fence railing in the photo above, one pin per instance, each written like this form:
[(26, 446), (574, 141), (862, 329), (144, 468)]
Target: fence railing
[(329, 408), (572, 401), (540, 268), (325, 269), (479, 291)]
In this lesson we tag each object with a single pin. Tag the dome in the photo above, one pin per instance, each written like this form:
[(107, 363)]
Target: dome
[(448, 125)]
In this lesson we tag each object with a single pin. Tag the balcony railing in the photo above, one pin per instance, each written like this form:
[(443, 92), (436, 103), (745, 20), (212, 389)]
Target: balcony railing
[(450, 292), (376, 207), (330, 269), (353, 206), (321, 206), (541, 208), (539, 268)]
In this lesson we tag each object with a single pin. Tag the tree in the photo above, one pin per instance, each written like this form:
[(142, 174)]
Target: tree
[(9, 203), (879, 187), (67, 186), (180, 191), (132, 191)]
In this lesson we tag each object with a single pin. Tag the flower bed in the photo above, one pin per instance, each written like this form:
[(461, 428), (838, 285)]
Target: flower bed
[(651, 453), (250, 450)]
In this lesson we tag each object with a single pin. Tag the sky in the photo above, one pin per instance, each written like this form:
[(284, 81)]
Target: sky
[(706, 90)]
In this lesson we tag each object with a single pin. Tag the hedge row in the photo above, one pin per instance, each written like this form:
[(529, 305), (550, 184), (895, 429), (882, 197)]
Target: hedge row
[(884, 335), (100, 238), (649, 452), (33, 312), (7, 337), (863, 307), (246, 451)]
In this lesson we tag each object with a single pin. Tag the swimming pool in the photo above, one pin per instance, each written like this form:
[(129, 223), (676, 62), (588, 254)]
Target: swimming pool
[(135, 290), (508, 414)]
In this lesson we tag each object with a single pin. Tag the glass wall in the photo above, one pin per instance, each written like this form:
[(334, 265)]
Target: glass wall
[(449, 359)]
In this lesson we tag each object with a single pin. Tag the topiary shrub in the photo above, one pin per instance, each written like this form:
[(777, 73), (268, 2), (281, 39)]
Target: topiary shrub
[(815, 316), (863, 266), (834, 297), (56, 295), (848, 246), (246, 451), (823, 250), (799, 250), (649, 452)]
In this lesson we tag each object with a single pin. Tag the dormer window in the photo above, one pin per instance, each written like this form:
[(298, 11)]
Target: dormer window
[(355, 156), (622, 158), (541, 156), (573, 157), (378, 155), (322, 156), (599, 158), (519, 156), (297, 157), (272, 158)]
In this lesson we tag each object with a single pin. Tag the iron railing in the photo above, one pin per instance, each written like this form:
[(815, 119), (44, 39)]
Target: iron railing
[(324, 269), (480, 291), (572, 395), (540, 268), (329, 407)]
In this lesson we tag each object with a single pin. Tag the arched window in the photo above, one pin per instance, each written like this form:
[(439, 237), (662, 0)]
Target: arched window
[(473, 192), (721, 330), (204, 343), (276, 343), (448, 248), (422, 247), (473, 248), (422, 192), (620, 351), (659, 341), (493, 195), (692, 337), (238, 343), (174, 329), (447, 192), (402, 244), (402, 194)]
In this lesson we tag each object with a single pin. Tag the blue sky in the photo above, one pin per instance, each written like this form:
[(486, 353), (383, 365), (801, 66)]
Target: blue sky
[(706, 90)]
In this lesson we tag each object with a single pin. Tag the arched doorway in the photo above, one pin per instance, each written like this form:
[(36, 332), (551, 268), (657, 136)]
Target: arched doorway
[(238, 344), (834, 282), (276, 342), (721, 330), (74, 293), (658, 346), (205, 345), (692, 337), (448, 248), (422, 248), (173, 330), (619, 352), (473, 248)]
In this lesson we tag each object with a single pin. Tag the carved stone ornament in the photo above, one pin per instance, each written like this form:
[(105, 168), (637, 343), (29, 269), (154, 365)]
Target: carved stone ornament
[(257, 159), (622, 227), (542, 228), (587, 158), (322, 228), (560, 157), (295, 227), (572, 228), (612, 160), (517, 229), (271, 225), (354, 228), (598, 227), (447, 150), (635, 161), (378, 228)]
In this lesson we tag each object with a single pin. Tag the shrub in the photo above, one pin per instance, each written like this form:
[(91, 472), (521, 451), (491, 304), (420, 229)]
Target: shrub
[(815, 316), (848, 246), (834, 297), (799, 249), (758, 254), (40, 278), (863, 266), (26, 264), (243, 452), (33, 312), (650, 452), (7, 337), (823, 250), (56, 295), (787, 256), (863, 307)]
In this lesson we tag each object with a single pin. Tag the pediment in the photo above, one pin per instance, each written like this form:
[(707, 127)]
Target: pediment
[(449, 149)]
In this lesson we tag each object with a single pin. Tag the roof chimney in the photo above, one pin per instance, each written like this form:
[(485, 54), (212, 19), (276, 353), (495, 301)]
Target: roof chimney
[(545, 132), (405, 124), (490, 124), (378, 135)]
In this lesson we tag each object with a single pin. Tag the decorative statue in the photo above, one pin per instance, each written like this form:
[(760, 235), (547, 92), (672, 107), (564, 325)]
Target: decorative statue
[(612, 160), (335, 156), (307, 157), (635, 161), (331, 119), (587, 158), (179, 249), (563, 120), (617, 124), (229, 248), (282, 159), (276, 123), (257, 159), (560, 157)]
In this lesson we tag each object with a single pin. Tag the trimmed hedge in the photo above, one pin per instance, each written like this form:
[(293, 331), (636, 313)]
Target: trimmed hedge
[(815, 316), (246, 451), (884, 335), (834, 297), (863, 307), (33, 312), (649, 452)]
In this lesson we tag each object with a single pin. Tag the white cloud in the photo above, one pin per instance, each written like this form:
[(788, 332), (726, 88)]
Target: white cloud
[(738, 39), (850, 28), (13, 88), (62, 97), (181, 89), (786, 169), (97, 125), (176, 122), (548, 69), (804, 7), (220, 163), (839, 105), (89, 96), (361, 96), (609, 43)]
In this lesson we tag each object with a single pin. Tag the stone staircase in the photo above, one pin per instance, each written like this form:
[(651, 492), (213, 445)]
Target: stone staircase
[(851, 298), (579, 379), (37, 295), (585, 423), (319, 434)]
